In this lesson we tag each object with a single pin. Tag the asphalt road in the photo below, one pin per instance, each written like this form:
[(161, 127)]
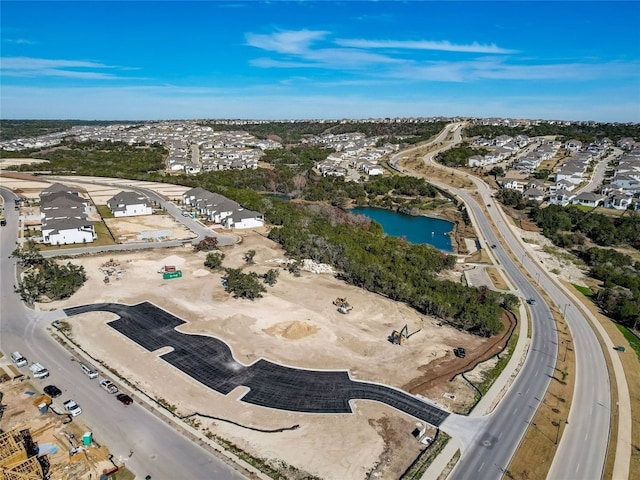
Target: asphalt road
[(209, 361), (158, 450), (489, 449)]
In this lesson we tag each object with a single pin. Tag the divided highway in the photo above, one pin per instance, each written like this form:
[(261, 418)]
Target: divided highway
[(582, 450)]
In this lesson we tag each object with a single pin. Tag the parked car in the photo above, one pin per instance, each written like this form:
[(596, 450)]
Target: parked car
[(88, 370), (72, 407), (125, 399), (108, 385), (38, 370), (52, 391), (19, 359)]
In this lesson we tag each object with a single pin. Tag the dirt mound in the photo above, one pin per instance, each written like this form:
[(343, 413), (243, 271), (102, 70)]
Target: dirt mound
[(173, 260), (201, 273), (291, 330)]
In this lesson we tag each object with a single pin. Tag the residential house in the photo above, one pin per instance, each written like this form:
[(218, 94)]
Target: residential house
[(66, 231), (533, 194), (514, 184), (55, 188), (129, 204), (244, 219), (588, 199), (222, 210), (52, 203), (573, 145), (618, 202), (561, 197)]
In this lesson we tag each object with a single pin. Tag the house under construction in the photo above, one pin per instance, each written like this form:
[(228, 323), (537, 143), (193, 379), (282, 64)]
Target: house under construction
[(19, 458)]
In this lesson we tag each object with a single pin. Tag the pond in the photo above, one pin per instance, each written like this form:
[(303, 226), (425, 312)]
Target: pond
[(415, 229)]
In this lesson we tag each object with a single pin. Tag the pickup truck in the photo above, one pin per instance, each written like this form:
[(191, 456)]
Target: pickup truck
[(108, 385), (38, 370)]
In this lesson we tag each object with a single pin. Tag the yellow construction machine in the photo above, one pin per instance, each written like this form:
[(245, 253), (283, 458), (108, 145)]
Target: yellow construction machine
[(397, 337)]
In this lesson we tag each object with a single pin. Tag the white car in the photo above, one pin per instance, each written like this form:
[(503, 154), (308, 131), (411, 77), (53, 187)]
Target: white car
[(108, 385), (72, 407)]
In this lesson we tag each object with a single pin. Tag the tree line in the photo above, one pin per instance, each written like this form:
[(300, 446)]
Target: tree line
[(358, 248)]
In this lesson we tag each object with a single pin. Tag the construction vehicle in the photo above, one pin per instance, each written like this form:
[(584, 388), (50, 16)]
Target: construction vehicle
[(397, 337), (342, 304), (459, 352)]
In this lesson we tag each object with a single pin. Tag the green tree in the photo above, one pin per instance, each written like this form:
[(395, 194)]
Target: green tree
[(249, 257), (214, 260), (271, 277), (243, 285)]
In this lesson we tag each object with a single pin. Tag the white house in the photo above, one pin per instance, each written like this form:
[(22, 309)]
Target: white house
[(588, 199), (514, 184), (244, 219), (533, 194), (372, 169), (68, 231), (561, 197), (129, 204), (618, 202), (573, 145)]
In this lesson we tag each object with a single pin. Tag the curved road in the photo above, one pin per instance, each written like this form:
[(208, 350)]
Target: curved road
[(582, 450), (158, 449)]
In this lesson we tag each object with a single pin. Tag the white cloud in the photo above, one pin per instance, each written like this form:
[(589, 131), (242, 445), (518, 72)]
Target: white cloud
[(44, 67), (493, 68), (291, 42), (19, 41), (444, 46)]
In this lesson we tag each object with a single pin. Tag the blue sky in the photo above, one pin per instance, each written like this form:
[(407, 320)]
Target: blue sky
[(149, 60)]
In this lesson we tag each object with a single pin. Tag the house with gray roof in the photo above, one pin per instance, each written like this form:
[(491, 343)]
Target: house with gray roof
[(129, 204), (66, 231), (588, 199)]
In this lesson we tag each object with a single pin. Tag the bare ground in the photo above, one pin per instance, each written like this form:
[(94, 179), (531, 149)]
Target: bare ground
[(295, 323)]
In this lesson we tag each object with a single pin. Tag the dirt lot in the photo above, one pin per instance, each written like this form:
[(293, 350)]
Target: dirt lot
[(295, 323)]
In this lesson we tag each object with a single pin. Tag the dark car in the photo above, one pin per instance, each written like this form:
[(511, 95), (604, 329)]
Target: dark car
[(124, 398), (494, 246), (52, 391)]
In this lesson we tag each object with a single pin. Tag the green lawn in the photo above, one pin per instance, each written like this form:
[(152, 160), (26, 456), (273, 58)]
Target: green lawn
[(104, 211), (631, 338), (586, 291)]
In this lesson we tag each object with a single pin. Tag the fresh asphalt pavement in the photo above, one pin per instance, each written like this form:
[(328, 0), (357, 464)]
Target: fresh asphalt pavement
[(158, 450), (209, 361)]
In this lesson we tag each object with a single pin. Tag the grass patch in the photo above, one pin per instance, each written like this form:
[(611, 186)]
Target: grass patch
[(123, 474), (634, 341), (104, 211), (503, 360), (479, 256), (586, 291), (420, 465), (497, 279)]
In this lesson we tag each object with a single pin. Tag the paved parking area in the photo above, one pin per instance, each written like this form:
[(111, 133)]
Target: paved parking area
[(209, 361)]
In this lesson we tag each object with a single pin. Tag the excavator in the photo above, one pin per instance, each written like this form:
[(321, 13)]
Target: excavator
[(343, 305), (397, 337)]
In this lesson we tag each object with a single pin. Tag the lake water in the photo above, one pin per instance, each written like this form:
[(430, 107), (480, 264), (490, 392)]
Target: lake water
[(420, 229)]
